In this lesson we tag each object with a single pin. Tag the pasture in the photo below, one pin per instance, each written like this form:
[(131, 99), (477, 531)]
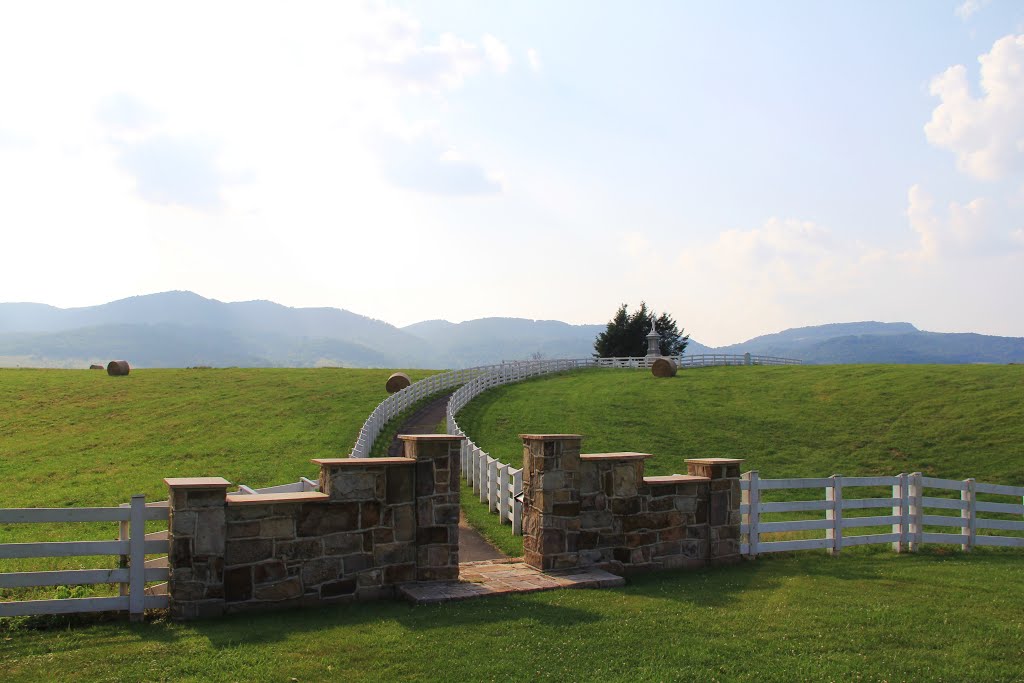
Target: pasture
[(79, 438)]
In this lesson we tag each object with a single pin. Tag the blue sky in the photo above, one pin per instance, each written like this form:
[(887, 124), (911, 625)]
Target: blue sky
[(747, 167)]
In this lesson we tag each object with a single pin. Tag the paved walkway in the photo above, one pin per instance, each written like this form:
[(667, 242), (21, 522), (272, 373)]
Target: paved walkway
[(500, 577)]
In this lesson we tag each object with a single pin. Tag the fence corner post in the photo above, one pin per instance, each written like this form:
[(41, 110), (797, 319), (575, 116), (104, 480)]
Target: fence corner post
[(137, 558), (834, 513), (969, 514)]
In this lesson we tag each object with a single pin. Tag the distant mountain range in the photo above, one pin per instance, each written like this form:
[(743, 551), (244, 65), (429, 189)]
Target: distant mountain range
[(181, 329)]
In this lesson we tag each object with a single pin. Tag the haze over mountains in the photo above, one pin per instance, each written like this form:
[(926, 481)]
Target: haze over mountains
[(181, 329)]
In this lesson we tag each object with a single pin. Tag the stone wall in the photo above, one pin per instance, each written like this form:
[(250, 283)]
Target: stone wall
[(375, 523), (600, 510)]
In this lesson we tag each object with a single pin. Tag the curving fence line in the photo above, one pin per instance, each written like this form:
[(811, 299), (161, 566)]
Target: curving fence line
[(496, 483)]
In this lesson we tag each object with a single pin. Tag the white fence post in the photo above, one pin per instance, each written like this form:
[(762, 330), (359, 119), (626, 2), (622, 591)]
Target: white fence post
[(485, 478), (123, 534), (834, 493), (492, 484), (900, 509), (916, 511), (752, 498), (969, 514), (503, 513), (137, 561)]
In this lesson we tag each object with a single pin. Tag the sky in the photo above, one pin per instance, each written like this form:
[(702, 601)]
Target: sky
[(745, 166)]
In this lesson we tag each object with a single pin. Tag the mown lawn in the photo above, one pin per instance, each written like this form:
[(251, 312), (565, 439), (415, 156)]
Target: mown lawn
[(870, 616)]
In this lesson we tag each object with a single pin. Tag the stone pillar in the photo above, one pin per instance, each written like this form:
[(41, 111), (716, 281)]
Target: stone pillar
[(723, 512), (437, 504), (551, 500), (196, 535)]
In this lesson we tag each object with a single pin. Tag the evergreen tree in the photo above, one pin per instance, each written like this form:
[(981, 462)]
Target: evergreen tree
[(626, 334)]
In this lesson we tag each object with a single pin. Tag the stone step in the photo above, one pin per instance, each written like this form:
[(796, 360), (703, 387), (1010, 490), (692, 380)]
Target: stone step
[(482, 579)]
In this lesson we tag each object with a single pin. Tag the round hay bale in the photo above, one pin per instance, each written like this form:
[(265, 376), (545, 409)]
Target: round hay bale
[(118, 368), (397, 382), (664, 367), (95, 367)]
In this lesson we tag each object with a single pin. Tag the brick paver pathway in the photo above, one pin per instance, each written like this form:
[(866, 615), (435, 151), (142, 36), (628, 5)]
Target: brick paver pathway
[(500, 577)]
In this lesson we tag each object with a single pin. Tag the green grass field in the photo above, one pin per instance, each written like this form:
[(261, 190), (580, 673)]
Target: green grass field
[(814, 421), (867, 615)]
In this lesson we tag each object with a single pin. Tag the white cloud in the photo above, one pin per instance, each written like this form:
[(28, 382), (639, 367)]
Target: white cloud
[(985, 133), (533, 57), (444, 66), (969, 7), (922, 219), (422, 162), (497, 53)]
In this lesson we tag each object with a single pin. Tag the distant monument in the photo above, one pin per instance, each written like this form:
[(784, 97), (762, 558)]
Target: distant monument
[(653, 341)]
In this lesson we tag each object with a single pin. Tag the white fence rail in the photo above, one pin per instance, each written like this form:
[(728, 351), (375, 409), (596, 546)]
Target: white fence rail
[(913, 518), (136, 546)]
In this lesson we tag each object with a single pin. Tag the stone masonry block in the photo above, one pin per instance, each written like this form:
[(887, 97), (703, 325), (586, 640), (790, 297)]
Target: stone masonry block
[(400, 485), (183, 522), (211, 531), (247, 552), (301, 549), (320, 570), (347, 485), (277, 527), (248, 529), (321, 519)]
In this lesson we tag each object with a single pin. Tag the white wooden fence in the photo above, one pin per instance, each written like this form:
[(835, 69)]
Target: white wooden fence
[(135, 547), (912, 517)]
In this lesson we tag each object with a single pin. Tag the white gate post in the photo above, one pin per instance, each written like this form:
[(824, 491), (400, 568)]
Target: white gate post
[(969, 514), (834, 493), (137, 563)]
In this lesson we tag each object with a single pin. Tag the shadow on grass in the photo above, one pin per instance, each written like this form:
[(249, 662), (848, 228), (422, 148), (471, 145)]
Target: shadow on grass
[(269, 627)]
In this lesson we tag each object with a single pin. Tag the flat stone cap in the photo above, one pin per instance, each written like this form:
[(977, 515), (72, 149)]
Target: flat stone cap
[(197, 482), (430, 437), (334, 462), (615, 456), (257, 498), (550, 436), (675, 479), (715, 461)]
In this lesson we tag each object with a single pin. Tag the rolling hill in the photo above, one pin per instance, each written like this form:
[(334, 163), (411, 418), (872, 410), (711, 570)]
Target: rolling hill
[(182, 329)]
